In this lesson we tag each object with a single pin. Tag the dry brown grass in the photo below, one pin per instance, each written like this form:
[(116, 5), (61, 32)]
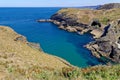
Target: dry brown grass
[(19, 57), (87, 15)]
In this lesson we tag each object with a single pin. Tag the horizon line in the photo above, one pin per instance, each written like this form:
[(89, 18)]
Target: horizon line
[(44, 6), (57, 6)]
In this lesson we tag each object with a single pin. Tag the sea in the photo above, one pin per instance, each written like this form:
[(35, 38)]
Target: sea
[(52, 40)]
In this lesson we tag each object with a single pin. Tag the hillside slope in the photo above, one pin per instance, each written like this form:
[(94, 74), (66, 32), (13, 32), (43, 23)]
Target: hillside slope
[(17, 55)]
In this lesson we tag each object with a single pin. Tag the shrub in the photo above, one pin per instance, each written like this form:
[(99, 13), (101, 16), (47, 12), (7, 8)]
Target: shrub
[(70, 72), (105, 20)]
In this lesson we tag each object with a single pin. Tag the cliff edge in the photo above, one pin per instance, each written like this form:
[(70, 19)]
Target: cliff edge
[(20, 59)]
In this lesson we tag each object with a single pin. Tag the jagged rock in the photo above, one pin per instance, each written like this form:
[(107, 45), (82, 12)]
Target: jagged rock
[(115, 54), (104, 46), (95, 23), (108, 45)]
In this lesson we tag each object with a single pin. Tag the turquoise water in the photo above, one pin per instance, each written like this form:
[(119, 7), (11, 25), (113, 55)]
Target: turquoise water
[(54, 41)]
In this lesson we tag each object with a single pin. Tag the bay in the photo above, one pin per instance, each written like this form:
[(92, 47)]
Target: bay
[(54, 41)]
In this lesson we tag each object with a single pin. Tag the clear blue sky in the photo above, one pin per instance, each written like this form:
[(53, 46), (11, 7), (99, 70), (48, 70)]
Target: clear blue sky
[(53, 3)]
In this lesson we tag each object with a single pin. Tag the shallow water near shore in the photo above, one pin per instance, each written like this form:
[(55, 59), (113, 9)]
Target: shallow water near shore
[(69, 46)]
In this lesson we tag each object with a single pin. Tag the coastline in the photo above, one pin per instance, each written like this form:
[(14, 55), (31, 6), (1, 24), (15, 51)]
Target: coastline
[(24, 60), (101, 31)]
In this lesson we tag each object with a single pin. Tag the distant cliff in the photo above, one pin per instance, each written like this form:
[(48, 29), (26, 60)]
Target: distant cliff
[(109, 6)]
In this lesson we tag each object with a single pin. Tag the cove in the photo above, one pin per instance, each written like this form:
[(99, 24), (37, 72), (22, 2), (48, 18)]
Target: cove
[(68, 46)]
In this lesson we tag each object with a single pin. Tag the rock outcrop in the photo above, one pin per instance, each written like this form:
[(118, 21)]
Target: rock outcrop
[(108, 45)]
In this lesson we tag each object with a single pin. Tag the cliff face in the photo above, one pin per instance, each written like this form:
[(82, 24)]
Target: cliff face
[(20, 59), (108, 45), (103, 24), (109, 6)]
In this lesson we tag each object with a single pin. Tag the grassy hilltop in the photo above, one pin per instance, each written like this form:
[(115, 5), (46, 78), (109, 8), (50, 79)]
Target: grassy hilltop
[(85, 16)]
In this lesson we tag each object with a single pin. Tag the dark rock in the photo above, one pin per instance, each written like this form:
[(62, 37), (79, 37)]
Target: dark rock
[(108, 45), (118, 22), (96, 23), (104, 46), (61, 17), (115, 54), (106, 30), (58, 17), (118, 40)]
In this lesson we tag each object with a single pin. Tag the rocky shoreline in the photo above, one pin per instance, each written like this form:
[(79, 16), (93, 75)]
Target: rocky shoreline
[(103, 24)]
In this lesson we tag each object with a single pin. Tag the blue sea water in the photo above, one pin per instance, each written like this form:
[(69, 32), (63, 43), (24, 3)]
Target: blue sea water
[(68, 46)]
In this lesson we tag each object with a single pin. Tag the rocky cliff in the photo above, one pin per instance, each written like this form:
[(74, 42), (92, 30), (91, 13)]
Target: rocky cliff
[(103, 24), (108, 44), (109, 6), (84, 20)]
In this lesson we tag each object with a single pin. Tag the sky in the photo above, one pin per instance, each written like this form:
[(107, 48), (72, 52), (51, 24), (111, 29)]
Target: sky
[(53, 3)]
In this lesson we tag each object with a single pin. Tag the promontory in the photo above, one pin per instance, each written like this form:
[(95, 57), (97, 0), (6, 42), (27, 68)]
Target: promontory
[(103, 23)]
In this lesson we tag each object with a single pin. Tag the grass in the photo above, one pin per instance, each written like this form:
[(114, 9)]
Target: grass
[(19, 55), (87, 15), (103, 73)]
